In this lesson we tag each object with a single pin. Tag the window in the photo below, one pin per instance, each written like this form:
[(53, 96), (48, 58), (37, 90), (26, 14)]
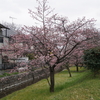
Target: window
[(1, 39), (0, 32)]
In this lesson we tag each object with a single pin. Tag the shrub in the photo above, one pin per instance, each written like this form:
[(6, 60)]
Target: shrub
[(92, 59), (30, 56)]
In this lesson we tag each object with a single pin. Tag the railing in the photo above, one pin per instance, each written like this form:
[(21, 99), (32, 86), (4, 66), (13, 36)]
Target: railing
[(7, 66)]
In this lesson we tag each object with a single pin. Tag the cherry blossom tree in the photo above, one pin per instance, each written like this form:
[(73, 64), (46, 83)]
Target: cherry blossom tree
[(57, 38), (54, 40), (77, 59), (77, 56)]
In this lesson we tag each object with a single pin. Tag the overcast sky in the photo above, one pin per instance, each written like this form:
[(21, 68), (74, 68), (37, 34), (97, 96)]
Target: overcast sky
[(73, 9)]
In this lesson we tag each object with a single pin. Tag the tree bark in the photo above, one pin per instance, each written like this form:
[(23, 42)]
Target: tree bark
[(77, 69), (52, 81), (70, 75), (32, 76), (67, 66)]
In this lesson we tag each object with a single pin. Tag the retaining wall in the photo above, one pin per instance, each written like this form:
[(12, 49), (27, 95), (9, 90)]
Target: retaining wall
[(12, 83)]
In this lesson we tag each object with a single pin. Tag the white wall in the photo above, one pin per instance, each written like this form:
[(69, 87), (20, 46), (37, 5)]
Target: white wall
[(0, 59), (5, 42), (22, 59)]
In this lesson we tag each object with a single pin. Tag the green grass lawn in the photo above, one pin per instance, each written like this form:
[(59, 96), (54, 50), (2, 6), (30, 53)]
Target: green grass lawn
[(81, 86)]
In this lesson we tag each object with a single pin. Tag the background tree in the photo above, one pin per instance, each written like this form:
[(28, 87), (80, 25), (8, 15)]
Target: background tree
[(77, 56), (92, 59), (77, 59), (13, 26)]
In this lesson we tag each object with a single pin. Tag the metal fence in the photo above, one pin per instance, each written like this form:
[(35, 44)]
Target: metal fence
[(7, 66)]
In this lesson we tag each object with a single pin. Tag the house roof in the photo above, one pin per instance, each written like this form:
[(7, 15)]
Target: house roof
[(2, 26)]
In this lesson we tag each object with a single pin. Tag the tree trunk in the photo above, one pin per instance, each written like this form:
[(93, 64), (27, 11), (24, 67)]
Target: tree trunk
[(67, 67), (70, 75), (77, 69), (52, 82), (32, 76)]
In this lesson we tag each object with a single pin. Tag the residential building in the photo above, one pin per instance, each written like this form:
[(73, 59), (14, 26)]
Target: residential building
[(5, 61), (4, 39)]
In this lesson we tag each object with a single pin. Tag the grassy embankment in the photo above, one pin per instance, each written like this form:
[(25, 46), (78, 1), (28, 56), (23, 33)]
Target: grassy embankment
[(81, 86)]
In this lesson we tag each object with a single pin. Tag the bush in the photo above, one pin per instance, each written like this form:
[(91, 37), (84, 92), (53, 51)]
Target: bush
[(92, 59), (30, 56)]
